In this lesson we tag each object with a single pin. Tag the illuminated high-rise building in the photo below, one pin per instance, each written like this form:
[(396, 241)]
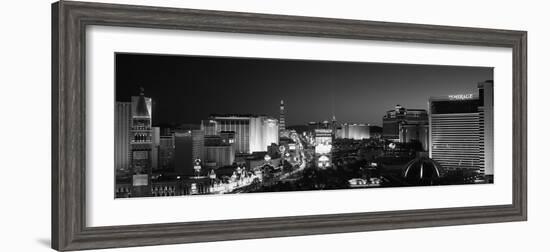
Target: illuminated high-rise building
[(269, 133), (198, 144), (141, 145), (218, 152), (250, 133), (323, 141), (406, 125), (358, 131), (228, 137), (461, 130), (323, 147), (123, 120), (189, 146), (282, 121), (334, 126), (487, 114), (210, 127)]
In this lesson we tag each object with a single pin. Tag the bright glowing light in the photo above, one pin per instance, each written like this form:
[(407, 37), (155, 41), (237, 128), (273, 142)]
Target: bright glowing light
[(323, 148)]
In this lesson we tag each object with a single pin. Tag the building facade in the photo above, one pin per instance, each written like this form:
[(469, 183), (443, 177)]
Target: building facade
[(323, 141), (167, 152), (358, 131), (406, 125), (251, 133), (189, 146), (155, 141), (219, 155), (227, 137), (282, 119), (269, 133), (183, 153), (141, 145), (219, 151), (415, 132), (123, 120), (197, 137), (487, 114), (461, 130)]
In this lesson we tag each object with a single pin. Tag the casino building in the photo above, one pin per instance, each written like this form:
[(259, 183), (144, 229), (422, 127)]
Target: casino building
[(461, 130), (141, 145), (251, 133), (189, 146), (218, 151), (406, 125), (282, 123), (357, 131), (323, 141), (323, 147)]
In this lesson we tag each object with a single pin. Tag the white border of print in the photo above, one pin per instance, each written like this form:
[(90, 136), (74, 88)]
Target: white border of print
[(103, 210)]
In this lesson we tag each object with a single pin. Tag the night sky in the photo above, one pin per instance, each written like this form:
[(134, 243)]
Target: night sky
[(186, 89)]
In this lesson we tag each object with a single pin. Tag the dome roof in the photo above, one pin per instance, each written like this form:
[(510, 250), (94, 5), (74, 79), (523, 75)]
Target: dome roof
[(422, 170)]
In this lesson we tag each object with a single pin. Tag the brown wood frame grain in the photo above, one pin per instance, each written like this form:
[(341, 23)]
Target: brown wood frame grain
[(69, 21)]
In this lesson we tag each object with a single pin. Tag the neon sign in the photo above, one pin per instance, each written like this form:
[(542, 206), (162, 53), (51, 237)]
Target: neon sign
[(461, 96)]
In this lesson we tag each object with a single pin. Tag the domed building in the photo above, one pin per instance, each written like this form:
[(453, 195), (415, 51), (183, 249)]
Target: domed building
[(422, 171)]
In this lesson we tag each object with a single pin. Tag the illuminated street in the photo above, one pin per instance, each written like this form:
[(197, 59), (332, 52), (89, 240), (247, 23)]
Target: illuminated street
[(193, 125)]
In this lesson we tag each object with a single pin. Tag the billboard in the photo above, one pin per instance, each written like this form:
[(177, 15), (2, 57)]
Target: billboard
[(140, 180)]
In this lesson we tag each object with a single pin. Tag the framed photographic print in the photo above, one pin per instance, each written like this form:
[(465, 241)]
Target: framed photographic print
[(178, 125)]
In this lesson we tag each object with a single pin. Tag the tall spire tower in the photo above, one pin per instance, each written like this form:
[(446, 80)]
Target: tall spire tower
[(332, 107), (282, 124), (334, 123)]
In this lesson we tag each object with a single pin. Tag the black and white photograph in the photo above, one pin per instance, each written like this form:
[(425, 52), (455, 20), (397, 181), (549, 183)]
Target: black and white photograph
[(269, 126), (196, 125)]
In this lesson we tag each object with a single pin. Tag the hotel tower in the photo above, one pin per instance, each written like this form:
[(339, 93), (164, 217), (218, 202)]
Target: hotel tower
[(282, 124), (461, 130)]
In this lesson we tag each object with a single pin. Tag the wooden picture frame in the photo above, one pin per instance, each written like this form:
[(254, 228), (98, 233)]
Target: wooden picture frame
[(69, 20)]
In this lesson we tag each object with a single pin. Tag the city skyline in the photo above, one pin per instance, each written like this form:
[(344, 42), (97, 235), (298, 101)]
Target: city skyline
[(374, 125), (188, 89)]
